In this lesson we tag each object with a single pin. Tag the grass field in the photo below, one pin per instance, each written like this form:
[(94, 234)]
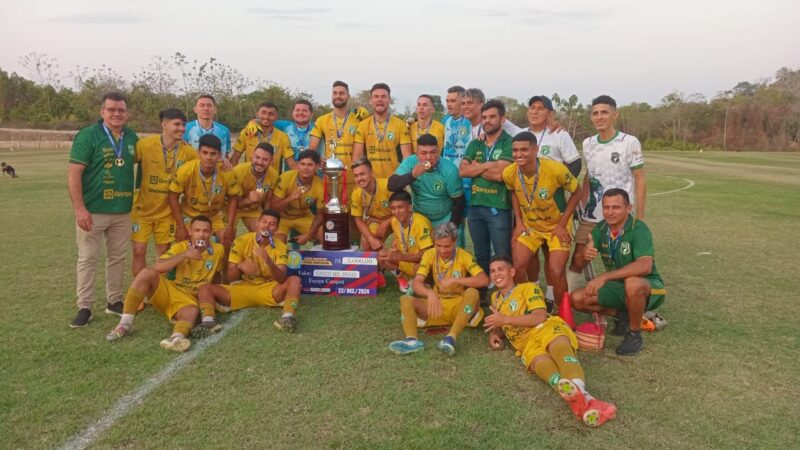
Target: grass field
[(723, 374)]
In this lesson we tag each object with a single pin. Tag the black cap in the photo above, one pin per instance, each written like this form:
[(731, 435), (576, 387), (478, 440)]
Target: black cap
[(541, 98)]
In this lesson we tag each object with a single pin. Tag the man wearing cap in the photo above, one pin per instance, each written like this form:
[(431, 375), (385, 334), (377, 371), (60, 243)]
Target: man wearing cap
[(556, 145), (100, 184)]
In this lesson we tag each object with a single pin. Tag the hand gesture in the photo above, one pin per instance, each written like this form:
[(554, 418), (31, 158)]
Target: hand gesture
[(374, 242), (254, 196), (418, 170), (590, 253), (302, 239), (494, 321), (296, 194), (594, 285), (194, 253), (448, 283)]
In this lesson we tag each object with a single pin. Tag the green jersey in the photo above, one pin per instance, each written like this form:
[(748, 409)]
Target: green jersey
[(634, 242), (107, 180), (492, 194)]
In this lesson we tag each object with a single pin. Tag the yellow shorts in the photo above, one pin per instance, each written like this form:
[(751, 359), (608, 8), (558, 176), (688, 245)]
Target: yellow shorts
[(299, 224), (533, 240), (584, 230), (163, 230), (218, 222), (450, 308), (168, 299), (248, 214), (245, 295), (543, 335)]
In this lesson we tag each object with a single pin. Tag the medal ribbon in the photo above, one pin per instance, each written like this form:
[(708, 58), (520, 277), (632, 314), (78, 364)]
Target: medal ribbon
[(117, 146), (448, 267), (302, 136), (529, 197), (385, 128), (259, 182), (366, 206), (209, 194), (405, 242), (340, 131), (614, 243), (167, 167)]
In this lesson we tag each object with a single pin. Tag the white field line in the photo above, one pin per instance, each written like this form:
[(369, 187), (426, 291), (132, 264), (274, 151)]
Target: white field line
[(689, 184), (125, 404)]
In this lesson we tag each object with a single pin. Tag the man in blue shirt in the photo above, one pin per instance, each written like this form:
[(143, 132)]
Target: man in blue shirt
[(298, 129), (457, 134), (206, 109), (437, 188)]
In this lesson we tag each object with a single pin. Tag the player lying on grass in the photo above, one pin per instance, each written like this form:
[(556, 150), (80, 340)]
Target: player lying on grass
[(546, 343), (453, 298), (196, 263), (260, 261), (631, 284), (412, 237)]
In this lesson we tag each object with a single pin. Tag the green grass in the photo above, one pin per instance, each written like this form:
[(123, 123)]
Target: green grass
[(723, 374)]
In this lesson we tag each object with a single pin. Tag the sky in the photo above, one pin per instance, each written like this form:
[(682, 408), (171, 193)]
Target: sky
[(635, 51)]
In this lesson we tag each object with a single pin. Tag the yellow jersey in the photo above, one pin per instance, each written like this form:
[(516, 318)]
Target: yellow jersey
[(243, 173), (460, 265), (244, 247), (382, 143), (288, 183), (414, 238), (523, 299), (253, 134), (365, 205), (191, 274), (157, 167), (436, 129), (342, 130), (537, 194), (201, 195)]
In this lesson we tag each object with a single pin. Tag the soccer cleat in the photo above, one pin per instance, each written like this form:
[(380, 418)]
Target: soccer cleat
[(622, 326), (114, 308), (598, 412), (117, 333), (631, 344), (82, 319), (381, 281), (406, 346), (176, 343), (206, 328), (447, 346), (222, 308), (402, 284), (287, 324), (571, 394)]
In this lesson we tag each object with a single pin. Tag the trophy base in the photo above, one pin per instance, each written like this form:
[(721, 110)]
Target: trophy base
[(335, 231)]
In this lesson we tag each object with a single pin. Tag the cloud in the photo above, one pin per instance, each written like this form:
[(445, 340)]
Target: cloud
[(289, 14), (100, 18), (360, 25), (535, 16)]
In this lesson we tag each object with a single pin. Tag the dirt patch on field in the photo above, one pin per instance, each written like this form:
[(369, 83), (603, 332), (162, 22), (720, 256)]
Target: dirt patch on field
[(764, 174)]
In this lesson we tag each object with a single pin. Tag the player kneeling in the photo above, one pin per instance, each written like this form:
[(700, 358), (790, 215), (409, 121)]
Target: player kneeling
[(195, 262), (453, 299), (260, 261), (546, 343)]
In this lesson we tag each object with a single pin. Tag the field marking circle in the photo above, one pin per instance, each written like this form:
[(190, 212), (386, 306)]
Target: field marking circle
[(689, 185)]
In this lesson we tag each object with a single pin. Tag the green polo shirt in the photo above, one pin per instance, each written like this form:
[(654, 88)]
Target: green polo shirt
[(107, 188), (492, 194), (636, 241)]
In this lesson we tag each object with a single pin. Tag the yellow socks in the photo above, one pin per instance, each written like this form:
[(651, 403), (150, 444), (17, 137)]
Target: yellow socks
[(290, 305), (547, 370), (568, 364), (207, 309), (183, 327), (133, 299), (408, 315)]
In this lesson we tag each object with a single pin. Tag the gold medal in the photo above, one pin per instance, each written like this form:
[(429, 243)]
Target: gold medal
[(260, 190), (119, 162), (427, 165)]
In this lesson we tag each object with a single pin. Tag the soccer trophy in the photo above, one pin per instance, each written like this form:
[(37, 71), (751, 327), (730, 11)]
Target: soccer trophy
[(336, 220)]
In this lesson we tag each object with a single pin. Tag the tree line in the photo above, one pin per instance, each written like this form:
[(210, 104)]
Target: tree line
[(759, 115)]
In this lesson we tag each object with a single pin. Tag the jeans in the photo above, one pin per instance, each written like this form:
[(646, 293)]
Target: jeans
[(489, 228)]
